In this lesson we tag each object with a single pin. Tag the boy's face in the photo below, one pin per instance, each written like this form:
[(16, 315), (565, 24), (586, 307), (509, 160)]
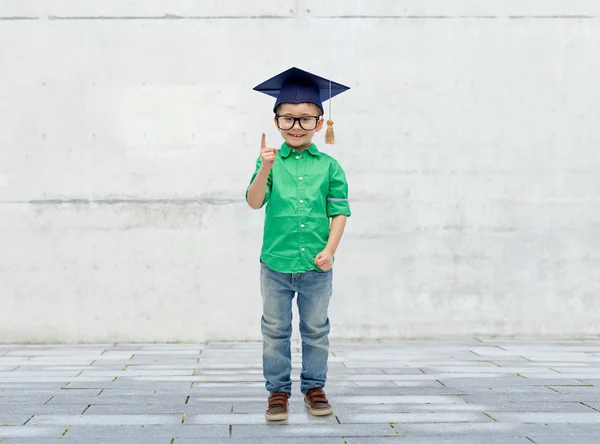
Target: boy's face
[(296, 136)]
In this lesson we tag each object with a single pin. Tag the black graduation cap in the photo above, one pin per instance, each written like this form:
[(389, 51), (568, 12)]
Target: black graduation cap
[(298, 86)]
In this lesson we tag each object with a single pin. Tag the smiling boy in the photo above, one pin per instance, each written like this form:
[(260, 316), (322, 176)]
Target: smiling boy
[(306, 197)]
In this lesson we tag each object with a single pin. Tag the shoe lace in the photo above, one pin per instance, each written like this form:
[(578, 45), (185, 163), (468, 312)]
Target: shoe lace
[(278, 399)]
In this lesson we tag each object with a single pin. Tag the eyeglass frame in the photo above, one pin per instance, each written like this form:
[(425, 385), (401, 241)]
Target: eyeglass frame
[(297, 119)]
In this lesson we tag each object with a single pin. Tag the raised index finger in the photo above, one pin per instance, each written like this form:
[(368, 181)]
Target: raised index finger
[(263, 142)]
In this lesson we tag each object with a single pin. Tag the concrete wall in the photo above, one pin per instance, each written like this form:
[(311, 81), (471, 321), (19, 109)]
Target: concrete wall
[(129, 131)]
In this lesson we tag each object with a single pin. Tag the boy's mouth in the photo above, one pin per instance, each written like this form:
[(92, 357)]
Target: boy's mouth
[(296, 135)]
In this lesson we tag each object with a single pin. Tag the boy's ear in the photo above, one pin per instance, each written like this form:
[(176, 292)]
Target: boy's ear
[(319, 124), (275, 122)]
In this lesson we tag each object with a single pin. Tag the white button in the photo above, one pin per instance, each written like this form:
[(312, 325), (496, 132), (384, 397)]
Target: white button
[(297, 157), (300, 178), (301, 225), (303, 249), (301, 201)]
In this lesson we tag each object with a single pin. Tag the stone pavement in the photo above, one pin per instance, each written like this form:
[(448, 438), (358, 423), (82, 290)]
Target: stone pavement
[(473, 391)]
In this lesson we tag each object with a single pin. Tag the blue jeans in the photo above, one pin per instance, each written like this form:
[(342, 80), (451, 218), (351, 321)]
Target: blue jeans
[(278, 291)]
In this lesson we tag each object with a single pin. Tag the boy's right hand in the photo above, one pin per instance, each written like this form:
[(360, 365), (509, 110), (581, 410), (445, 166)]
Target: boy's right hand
[(267, 154)]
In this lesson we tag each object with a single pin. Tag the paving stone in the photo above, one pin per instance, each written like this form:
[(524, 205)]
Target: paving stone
[(506, 380), (258, 418), (149, 385), (462, 439), (24, 399), (143, 432), (310, 430), (532, 406), (429, 385), (578, 438), (31, 377), (153, 391), (576, 389), (489, 369), (13, 419), (407, 408), (189, 379), (591, 378), (371, 384), (593, 405), (537, 364), (378, 382), (483, 390), (261, 441), (93, 399), (132, 372), (21, 374), (31, 432), (165, 352), (11, 361), (439, 417), (106, 419), (30, 409), (576, 369), (529, 397), (160, 408), (56, 354), (197, 392), (591, 417), (88, 385), (466, 429), (146, 359), (418, 377), (391, 391), (410, 399), (90, 441), (100, 363), (64, 368), (235, 399), (26, 386)]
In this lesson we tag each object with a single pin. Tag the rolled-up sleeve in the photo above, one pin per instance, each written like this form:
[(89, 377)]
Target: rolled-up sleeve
[(337, 196), (269, 183)]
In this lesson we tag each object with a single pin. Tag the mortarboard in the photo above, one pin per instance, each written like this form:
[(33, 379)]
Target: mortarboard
[(298, 86)]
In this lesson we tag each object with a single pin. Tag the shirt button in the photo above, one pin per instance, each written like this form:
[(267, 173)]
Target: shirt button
[(303, 249), (301, 225), (301, 201), (300, 178), (297, 157)]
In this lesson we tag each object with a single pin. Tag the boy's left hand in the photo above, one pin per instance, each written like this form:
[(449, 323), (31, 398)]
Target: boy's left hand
[(324, 260)]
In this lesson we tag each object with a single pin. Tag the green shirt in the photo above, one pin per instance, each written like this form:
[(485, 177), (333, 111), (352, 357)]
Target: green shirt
[(304, 190)]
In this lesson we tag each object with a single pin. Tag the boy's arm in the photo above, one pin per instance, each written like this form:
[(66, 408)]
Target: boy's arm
[(324, 259), (339, 210), (258, 189), (336, 231), (255, 195)]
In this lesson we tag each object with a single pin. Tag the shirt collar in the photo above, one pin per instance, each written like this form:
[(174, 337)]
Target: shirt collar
[(286, 150)]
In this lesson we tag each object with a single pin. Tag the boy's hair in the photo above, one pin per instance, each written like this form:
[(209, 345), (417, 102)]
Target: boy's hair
[(318, 107)]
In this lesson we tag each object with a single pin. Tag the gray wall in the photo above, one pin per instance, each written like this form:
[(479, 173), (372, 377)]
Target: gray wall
[(129, 132)]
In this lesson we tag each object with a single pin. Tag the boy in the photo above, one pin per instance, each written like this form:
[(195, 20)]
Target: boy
[(303, 188)]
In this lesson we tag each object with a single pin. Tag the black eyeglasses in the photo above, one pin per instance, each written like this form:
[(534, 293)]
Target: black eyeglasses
[(307, 123)]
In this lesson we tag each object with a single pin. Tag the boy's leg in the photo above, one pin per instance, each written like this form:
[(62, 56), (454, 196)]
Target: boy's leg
[(276, 327), (314, 291)]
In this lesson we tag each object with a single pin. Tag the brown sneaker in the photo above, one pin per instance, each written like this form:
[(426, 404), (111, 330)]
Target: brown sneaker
[(278, 407), (316, 401)]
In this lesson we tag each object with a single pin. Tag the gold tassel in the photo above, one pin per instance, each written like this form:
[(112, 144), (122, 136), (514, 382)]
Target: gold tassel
[(329, 136)]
